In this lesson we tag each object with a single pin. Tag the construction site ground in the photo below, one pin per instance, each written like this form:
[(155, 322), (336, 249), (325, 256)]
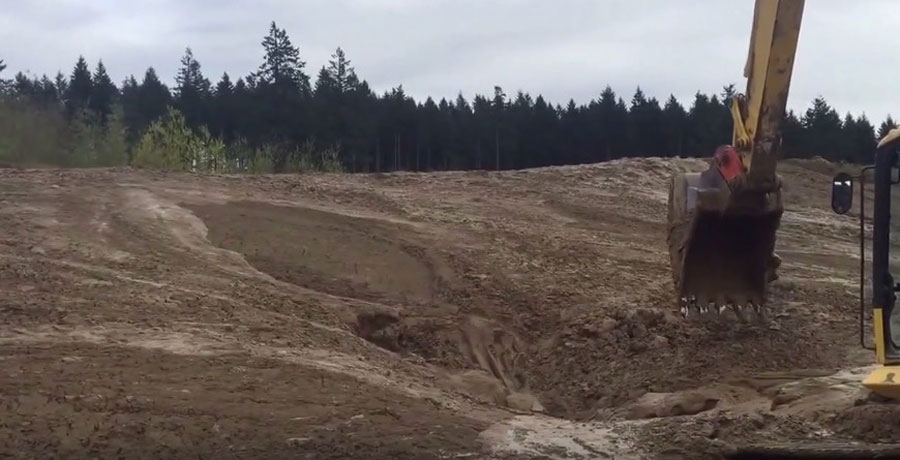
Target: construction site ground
[(520, 314)]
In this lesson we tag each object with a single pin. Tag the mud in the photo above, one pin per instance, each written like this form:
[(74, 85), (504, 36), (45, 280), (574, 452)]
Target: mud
[(523, 314)]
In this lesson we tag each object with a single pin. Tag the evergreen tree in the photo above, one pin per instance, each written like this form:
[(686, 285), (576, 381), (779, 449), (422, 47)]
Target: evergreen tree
[(498, 112), (886, 126), (822, 130), (792, 136), (223, 122), (80, 89), (645, 126), (131, 114), (674, 127), (282, 65), (62, 86), (3, 83), (861, 140), (192, 91), (103, 93), (154, 99)]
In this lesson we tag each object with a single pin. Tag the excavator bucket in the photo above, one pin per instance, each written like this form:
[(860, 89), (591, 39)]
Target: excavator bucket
[(721, 242)]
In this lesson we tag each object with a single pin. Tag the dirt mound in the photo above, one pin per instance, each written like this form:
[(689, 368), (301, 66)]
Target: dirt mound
[(872, 421), (323, 251)]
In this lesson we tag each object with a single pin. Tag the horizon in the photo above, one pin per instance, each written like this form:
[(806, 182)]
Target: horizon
[(579, 50)]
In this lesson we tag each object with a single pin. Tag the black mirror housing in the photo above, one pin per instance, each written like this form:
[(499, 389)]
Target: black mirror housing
[(842, 193)]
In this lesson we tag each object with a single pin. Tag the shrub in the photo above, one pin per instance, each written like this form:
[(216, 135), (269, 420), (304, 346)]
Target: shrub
[(169, 143)]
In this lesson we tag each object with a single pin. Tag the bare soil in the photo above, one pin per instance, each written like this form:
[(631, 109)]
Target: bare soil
[(448, 315)]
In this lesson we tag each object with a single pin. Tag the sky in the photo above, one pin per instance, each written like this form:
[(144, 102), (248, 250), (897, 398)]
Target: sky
[(562, 49)]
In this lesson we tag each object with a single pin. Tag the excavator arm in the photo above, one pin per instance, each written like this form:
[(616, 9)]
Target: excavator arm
[(723, 221), (758, 115)]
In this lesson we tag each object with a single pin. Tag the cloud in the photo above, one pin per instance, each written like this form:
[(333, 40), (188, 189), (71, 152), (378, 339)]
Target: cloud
[(565, 49)]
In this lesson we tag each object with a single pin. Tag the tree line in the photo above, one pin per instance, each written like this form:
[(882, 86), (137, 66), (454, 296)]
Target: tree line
[(279, 117)]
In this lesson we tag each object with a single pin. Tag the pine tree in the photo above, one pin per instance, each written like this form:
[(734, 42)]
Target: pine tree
[(223, 122), (886, 126), (498, 109), (3, 83), (192, 91), (80, 89), (282, 66), (674, 127), (645, 126), (342, 73), (62, 86), (153, 98), (131, 114), (792, 136), (103, 94), (862, 141), (822, 130)]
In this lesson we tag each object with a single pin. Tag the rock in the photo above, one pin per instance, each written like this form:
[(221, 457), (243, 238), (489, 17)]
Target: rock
[(658, 341), (608, 325), (38, 250), (638, 331), (523, 402), (652, 405), (296, 442), (638, 347)]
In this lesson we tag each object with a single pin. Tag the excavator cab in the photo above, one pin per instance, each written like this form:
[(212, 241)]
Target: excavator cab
[(885, 316)]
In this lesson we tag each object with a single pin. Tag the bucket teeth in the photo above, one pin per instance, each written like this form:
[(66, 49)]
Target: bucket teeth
[(705, 306)]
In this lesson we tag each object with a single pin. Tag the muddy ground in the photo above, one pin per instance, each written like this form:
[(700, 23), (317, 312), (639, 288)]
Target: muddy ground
[(524, 314)]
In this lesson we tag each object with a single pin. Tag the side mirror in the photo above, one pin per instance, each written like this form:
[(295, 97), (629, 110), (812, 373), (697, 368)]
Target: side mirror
[(842, 193)]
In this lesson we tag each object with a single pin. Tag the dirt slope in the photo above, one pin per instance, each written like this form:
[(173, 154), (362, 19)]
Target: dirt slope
[(400, 316)]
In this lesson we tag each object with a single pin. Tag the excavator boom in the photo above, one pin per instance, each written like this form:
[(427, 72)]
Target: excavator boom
[(723, 221)]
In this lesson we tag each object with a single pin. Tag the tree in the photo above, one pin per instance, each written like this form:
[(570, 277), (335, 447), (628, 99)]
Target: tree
[(282, 65), (192, 91), (792, 136), (223, 120), (131, 117), (645, 126), (3, 83), (822, 130), (674, 127), (886, 126), (103, 93), (62, 86), (80, 89), (498, 109), (342, 73), (153, 98), (861, 140)]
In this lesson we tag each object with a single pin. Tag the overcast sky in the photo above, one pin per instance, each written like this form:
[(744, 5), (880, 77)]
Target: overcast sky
[(559, 48)]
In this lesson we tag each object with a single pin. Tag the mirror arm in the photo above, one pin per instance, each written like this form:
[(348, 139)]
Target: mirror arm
[(862, 258)]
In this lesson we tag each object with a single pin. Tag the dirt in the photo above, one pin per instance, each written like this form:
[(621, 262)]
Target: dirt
[(522, 314)]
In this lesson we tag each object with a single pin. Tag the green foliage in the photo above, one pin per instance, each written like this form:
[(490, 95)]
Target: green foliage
[(93, 143), (32, 135), (170, 143)]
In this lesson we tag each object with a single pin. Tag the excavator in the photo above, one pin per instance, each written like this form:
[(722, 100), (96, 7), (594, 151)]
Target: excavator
[(722, 222)]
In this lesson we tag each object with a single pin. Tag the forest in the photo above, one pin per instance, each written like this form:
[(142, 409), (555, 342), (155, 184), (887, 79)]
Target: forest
[(280, 119)]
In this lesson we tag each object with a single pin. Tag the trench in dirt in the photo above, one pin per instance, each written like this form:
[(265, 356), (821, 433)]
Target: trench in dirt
[(392, 268), (407, 288)]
